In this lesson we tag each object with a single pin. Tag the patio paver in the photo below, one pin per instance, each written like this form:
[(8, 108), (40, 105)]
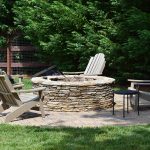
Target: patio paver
[(85, 119)]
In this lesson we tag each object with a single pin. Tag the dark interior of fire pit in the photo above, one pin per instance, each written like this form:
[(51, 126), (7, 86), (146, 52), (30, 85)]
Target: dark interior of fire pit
[(57, 79), (45, 77), (69, 79)]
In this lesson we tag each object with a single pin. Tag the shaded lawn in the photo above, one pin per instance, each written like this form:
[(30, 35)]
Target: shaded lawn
[(61, 138)]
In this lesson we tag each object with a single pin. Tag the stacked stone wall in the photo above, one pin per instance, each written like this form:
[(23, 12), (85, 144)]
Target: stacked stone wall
[(77, 98)]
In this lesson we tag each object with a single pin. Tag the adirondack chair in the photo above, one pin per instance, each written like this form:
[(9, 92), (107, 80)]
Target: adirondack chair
[(23, 100), (95, 66)]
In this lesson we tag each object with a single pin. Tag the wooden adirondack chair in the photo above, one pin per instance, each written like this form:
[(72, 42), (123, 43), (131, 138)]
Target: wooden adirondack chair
[(95, 66), (23, 100)]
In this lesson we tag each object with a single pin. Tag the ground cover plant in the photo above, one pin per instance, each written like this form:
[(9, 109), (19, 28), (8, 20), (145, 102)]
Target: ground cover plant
[(61, 138), (26, 81)]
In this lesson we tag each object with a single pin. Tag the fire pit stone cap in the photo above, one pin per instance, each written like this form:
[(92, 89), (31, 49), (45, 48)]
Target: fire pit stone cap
[(64, 80)]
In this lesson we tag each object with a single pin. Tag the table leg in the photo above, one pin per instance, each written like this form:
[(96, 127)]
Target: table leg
[(123, 106), (130, 100), (138, 95), (113, 104), (138, 104), (127, 104)]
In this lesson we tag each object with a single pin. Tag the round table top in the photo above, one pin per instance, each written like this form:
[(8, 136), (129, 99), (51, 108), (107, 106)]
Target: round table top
[(126, 92)]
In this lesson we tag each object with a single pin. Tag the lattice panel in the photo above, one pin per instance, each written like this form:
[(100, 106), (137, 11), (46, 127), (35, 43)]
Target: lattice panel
[(24, 56)]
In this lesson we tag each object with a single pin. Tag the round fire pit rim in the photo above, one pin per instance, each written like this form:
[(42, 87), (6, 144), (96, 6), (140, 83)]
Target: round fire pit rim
[(97, 80)]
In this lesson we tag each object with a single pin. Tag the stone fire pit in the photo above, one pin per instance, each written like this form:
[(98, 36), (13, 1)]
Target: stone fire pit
[(76, 92)]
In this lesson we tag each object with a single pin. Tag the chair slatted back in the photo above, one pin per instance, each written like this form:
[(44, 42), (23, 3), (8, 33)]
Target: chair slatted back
[(7, 93), (100, 64), (90, 64), (96, 65)]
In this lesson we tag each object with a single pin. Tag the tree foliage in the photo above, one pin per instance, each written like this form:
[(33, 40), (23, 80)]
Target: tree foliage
[(132, 57), (67, 31), (7, 27)]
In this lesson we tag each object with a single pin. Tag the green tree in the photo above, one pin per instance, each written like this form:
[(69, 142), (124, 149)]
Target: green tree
[(67, 32), (130, 58), (7, 27)]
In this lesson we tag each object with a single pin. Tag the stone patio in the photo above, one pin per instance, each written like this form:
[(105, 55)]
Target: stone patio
[(84, 119)]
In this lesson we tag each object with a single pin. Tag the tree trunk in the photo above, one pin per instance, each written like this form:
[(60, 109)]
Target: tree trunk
[(9, 71)]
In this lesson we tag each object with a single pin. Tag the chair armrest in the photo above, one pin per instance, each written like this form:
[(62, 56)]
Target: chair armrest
[(32, 90), (133, 82), (138, 81), (73, 73), (18, 86)]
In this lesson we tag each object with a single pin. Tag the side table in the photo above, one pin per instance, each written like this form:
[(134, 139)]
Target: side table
[(126, 94)]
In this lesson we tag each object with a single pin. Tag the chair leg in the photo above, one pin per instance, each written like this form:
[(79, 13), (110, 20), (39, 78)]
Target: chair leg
[(23, 108), (42, 109), (41, 103)]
